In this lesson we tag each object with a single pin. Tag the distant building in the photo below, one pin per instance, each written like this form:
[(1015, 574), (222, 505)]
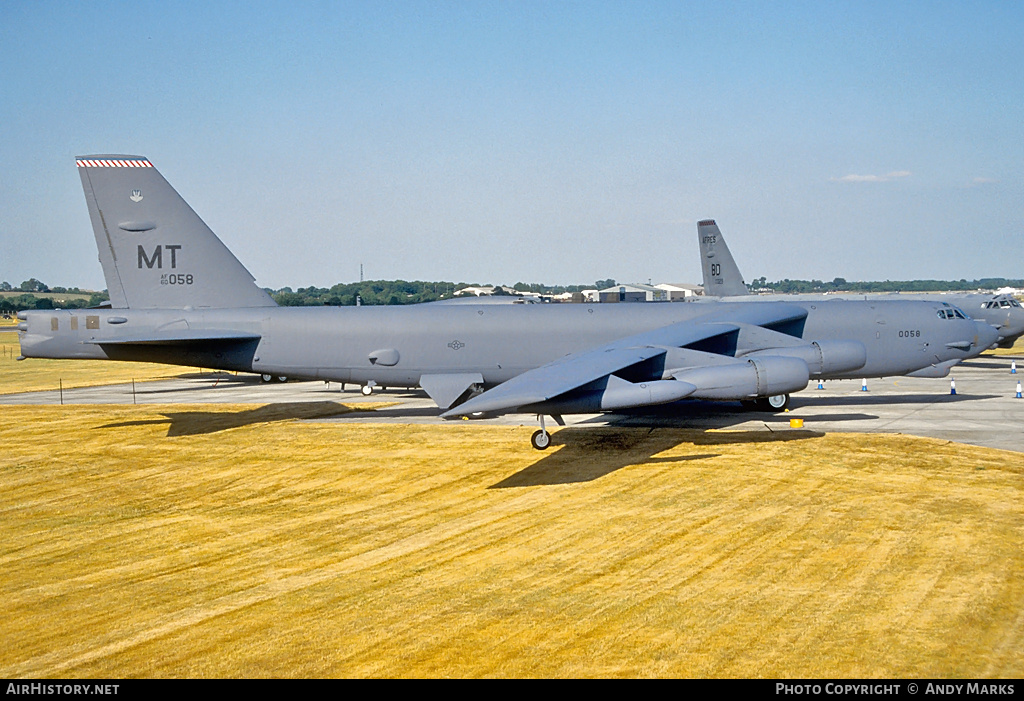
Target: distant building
[(478, 291), (634, 293), (678, 291)]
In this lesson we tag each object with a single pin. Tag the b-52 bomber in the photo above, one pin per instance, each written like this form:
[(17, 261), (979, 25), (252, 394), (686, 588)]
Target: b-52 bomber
[(722, 279), (177, 295)]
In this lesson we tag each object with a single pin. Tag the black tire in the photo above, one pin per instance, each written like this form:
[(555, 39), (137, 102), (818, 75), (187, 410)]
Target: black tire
[(774, 403), (266, 378), (540, 440)]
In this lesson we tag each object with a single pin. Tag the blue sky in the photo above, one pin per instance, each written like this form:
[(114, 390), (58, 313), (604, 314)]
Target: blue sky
[(555, 142)]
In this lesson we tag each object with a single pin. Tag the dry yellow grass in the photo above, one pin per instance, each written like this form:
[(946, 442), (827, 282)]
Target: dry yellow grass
[(38, 374), (1017, 349), (223, 541)]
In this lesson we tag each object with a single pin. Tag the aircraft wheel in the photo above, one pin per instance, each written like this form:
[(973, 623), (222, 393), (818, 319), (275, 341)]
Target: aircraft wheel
[(540, 440), (776, 402), (367, 390), (282, 378), (266, 378)]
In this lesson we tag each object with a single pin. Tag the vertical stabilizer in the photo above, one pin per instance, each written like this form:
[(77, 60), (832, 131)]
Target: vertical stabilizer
[(721, 275), (155, 251)]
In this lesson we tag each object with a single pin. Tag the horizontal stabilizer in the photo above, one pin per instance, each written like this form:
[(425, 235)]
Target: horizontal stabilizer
[(178, 337)]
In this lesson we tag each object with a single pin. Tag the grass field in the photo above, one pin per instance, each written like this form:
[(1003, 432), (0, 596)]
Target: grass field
[(1017, 349), (231, 541), (57, 297)]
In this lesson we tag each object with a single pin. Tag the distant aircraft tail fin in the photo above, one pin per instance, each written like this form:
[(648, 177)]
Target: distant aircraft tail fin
[(721, 275), (155, 251)]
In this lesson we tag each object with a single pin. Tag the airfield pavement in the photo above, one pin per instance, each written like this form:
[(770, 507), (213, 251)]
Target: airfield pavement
[(984, 411)]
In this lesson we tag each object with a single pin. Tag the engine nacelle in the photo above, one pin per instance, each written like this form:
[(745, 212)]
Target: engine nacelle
[(757, 377), (822, 357), (618, 394), (623, 395)]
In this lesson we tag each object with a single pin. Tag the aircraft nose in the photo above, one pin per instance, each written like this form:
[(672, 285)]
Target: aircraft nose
[(986, 334), (1014, 322)]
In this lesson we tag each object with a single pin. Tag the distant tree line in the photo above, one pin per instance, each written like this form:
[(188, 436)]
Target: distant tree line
[(391, 292), (28, 300), (839, 284)]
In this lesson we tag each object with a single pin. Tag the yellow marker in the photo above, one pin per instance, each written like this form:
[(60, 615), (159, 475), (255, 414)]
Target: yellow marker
[(796, 423)]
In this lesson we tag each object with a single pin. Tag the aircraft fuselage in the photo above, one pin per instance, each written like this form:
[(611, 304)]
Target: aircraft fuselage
[(397, 345)]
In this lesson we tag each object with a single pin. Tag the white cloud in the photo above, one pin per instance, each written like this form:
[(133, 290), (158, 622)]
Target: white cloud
[(872, 178)]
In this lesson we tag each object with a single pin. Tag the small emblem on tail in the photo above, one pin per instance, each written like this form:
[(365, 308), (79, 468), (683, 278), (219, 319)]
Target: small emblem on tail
[(136, 196)]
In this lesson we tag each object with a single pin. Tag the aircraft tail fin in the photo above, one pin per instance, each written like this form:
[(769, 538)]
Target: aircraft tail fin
[(155, 251), (722, 277)]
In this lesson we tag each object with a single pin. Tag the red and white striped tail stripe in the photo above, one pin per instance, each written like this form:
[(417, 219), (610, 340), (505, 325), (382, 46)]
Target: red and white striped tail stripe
[(113, 164)]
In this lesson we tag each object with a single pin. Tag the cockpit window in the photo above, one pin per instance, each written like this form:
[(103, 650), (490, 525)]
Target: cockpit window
[(950, 313)]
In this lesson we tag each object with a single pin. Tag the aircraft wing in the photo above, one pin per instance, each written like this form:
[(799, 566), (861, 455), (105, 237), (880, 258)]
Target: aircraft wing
[(592, 370), (553, 379)]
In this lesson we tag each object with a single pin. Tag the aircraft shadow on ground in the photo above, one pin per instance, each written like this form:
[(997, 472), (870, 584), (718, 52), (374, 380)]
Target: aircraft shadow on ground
[(393, 413), (225, 380), (193, 423), (705, 415), (222, 377), (868, 399), (1002, 364), (586, 453)]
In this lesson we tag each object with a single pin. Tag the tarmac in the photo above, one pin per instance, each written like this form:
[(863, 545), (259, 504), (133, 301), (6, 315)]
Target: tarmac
[(984, 411)]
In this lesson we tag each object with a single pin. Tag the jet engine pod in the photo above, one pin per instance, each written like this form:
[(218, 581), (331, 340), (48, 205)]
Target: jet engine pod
[(755, 377), (621, 394), (822, 357), (616, 394)]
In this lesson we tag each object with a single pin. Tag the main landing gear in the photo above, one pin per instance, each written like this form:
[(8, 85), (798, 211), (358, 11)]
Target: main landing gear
[(270, 378), (774, 403)]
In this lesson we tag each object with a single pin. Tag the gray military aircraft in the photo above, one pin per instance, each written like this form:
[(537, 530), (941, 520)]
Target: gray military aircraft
[(722, 279), (177, 295)]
